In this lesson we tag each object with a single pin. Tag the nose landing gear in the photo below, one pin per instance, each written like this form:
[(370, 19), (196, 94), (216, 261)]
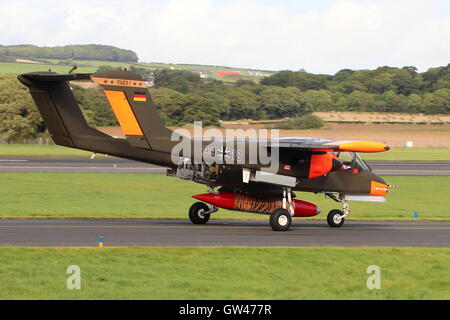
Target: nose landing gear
[(336, 218)]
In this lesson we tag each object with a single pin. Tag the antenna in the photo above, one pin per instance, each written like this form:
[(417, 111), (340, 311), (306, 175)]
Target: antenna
[(75, 67), (163, 109)]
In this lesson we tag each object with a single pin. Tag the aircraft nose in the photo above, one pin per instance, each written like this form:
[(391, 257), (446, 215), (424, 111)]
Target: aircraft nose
[(378, 189)]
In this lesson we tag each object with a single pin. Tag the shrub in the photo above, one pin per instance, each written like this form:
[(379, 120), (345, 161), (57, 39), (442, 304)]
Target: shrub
[(305, 122)]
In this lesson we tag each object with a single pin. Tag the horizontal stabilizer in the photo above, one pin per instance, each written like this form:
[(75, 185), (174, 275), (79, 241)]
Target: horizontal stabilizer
[(53, 77)]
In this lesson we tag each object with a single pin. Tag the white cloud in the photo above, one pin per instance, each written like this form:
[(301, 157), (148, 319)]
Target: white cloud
[(349, 34)]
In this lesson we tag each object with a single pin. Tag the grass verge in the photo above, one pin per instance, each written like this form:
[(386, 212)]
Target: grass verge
[(410, 154), (84, 195), (19, 68), (45, 151), (225, 273)]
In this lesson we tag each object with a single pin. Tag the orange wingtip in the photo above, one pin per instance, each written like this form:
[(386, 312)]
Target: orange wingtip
[(364, 146)]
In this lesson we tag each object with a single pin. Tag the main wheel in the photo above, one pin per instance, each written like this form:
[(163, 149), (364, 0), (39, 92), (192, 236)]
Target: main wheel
[(335, 218), (280, 220), (197, 213)]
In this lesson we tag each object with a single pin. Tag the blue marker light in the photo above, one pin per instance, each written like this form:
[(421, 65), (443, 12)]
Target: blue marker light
[(100, 241)]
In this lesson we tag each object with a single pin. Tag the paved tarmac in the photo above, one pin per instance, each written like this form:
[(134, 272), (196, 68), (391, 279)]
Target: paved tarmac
[(115, 165), (220, 233)]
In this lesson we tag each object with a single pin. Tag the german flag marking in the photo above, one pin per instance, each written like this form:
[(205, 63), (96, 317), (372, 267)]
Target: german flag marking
[(140, 97)]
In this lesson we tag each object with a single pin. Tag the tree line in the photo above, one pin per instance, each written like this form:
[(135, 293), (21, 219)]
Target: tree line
[(385, 89), (20, 118), (71, 52), (182, 97), (293, 94)]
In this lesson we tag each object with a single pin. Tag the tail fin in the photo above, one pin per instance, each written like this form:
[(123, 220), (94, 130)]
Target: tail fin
[(57, 105), (134, 109), (130, 100)]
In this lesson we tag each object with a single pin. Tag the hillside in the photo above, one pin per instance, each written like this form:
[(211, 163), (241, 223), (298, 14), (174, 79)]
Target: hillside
[(71, 52)]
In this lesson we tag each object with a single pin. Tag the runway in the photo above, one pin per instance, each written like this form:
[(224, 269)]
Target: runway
[(116, 165), (220, 233), (97, 165), (411, 168)]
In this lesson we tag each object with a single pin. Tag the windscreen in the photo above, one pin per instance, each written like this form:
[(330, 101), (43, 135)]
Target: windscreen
[(360, 164), (352, 161)]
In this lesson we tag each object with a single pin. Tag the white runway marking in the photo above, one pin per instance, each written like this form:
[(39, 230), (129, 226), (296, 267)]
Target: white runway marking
[(70, 168), (429, 164)]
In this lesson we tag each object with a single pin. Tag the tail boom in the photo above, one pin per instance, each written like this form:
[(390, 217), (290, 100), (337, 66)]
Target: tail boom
[(148, 140)]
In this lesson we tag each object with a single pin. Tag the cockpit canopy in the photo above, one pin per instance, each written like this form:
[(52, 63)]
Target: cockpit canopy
[(351, 161)]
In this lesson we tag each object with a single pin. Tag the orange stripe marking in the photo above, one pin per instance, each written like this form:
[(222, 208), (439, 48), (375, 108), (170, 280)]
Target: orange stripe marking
[(124, 113)]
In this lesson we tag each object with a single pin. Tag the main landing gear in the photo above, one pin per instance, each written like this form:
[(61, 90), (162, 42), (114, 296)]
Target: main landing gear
[(200, 212), (336, 218), (281, 219)]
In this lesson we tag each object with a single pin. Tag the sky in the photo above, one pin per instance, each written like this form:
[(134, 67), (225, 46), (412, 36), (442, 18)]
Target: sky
[(320, 36)]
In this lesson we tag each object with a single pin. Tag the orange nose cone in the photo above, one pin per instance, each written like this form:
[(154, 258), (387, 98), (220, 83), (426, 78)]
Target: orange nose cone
[(378, 189)]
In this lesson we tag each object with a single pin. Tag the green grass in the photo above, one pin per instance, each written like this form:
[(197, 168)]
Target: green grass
[(410, 154), (94, 63), (148, 65), (88, 66), (84, 195), (396, 154), (18, 68), (224, 273), (35, 150)]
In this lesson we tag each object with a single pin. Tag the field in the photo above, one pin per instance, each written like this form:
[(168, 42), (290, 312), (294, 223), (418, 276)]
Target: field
[(90, 66), (394, 135), (224, 273), (410, 154), (18, 68), (83, 195), (151, 65), (52, 151)]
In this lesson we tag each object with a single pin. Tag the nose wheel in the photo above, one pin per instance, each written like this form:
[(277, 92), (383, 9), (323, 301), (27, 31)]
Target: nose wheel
[(336, 218)]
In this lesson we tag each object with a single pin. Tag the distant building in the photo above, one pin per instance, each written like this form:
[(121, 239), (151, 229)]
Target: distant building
[(204, 74), (150, 82), (228, 73), (258, 74)]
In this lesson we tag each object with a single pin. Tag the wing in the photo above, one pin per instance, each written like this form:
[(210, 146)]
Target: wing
[(330, 145)]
